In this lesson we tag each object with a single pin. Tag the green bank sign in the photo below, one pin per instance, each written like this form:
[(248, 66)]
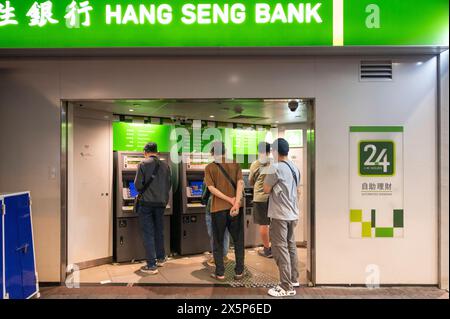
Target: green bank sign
[(221, 23)]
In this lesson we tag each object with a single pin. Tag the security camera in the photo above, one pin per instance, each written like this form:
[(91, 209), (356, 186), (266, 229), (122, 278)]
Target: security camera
[(293, 105)]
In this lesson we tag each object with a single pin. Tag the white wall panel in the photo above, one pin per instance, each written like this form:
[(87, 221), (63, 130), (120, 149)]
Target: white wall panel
[(409, 100)]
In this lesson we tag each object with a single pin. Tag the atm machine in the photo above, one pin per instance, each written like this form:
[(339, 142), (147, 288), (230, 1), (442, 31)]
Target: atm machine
[(251, 230), (128, 245), (190, 235)]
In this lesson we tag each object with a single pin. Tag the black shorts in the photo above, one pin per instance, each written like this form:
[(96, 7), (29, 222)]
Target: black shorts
[(260, 211)]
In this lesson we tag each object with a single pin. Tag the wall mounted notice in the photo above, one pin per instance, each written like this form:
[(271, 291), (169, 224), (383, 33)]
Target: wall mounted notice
[(294, 137), (376, 181), (134, 136)]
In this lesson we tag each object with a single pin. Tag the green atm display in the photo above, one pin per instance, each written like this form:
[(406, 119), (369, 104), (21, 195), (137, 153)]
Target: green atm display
[(133, 137)]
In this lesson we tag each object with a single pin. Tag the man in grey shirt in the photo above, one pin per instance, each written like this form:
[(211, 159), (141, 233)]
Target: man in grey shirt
[(282, 182)]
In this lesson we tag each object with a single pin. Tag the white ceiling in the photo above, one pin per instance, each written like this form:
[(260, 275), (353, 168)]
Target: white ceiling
[(247, 111)]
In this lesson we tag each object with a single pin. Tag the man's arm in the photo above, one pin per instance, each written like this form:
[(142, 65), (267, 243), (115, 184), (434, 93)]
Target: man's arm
[(221, 195), (267, 188), (251, 177), (139, 179), (212, 188), (239, 191), (270, 180), (169, 177)]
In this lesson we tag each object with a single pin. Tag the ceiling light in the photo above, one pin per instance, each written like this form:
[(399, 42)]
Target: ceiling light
[(211, 116), (131, 110)]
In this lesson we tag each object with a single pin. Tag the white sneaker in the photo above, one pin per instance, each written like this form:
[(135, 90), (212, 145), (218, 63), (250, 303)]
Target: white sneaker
[(280, 292), (296, 284)]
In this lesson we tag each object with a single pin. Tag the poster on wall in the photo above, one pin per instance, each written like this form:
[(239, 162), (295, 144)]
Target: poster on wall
[(294, 137), (376, 182)]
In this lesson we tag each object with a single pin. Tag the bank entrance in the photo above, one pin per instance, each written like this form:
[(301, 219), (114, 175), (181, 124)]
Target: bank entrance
[(103, 142)]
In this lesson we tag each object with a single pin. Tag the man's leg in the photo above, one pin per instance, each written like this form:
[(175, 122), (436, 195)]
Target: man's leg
[(278, 235), (219, 224), (236, 229), (208, 220), (158, 218), (260, 217), (147, 232), (292, 244), (264, 233), (226, 242)]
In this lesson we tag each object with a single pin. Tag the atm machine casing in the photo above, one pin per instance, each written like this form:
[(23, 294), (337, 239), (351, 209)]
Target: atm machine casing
[(251, 230), (189, 231), (128, 245)]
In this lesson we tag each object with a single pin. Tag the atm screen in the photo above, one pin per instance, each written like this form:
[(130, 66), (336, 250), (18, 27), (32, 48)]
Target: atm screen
[(132, 188), (196, 188)]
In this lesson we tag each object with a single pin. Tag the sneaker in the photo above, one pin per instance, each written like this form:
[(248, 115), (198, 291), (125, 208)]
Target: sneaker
[(150, 270), (211, 262), (238, 276), (280, 292), (219, 278), (266, 252), (161, 262), (296, 284)]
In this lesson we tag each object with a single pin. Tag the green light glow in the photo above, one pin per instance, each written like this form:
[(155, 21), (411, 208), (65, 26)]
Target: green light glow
[(221, 23)]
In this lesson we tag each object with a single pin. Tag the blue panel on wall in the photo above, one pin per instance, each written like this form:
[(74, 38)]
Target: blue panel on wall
[(13, 265), (26, 245), (19, 267)]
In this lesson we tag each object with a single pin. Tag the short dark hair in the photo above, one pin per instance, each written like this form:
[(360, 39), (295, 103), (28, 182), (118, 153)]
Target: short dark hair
[(151, 147), (281, 146), (217, 148), (264, 147)]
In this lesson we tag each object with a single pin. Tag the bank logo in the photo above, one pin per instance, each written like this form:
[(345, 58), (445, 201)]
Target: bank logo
[(376, 158)]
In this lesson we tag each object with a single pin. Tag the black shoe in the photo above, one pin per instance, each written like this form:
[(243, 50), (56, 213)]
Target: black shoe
[(266, 252), (161, 262), (150, 270)]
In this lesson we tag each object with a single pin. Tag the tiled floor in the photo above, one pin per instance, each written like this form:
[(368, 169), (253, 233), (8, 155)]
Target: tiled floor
[(188, 278), (197, 292), (183, 270)]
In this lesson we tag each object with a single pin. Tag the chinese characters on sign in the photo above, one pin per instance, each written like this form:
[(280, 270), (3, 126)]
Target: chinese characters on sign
[(7, 15), (376, 182), (366, 187), (41, 13), (74, 12)]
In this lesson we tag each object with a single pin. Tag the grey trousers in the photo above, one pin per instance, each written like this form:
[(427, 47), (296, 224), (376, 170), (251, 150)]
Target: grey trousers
[(284, 251)]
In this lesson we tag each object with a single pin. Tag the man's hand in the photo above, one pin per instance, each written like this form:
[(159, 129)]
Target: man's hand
[(267, 189), (232, 200), (234, 211)]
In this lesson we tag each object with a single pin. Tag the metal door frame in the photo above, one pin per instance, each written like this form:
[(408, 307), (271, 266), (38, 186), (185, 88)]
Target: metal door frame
[(311, 187)]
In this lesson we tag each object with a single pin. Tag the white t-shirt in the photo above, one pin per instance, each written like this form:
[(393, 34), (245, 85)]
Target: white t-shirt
[(283, 203)]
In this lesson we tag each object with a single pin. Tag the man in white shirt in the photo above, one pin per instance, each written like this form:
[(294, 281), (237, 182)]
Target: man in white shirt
[(282, 182)]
